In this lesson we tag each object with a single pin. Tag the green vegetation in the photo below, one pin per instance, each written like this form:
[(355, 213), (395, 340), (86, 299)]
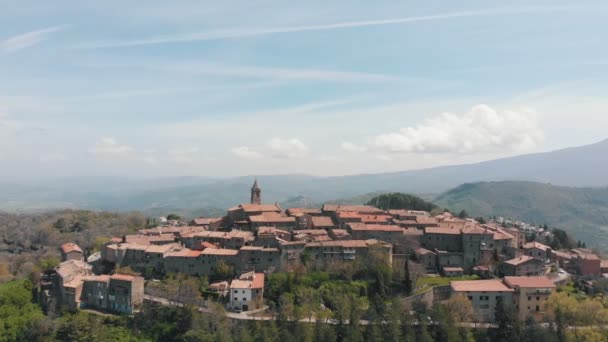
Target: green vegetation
[(19, 317), (31, 241), (397, 200), (582, 212)]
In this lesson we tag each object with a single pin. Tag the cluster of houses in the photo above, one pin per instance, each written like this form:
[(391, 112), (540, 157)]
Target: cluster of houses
[(256, 239), (73, 285)]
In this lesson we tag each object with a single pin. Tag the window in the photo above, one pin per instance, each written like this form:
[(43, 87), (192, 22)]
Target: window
[(470, 297), (537, 298), (529, 298), (537, 308)]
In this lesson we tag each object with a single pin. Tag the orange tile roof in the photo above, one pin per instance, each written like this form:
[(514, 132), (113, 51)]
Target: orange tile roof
[(272, 217), (246, 281), (248, 208), (375, 227), (441, 230), (220, 251), (206, 221), (519, 260), (339, 243), (536, 245), (529, 282), (69, 247), (322, 221), (489, 285)]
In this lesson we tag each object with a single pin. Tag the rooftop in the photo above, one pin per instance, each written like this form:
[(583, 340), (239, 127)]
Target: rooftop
[(536, 245), (489, 285), (519, 260), (251, 208), (322, 221), (529, 282), (69, 247)]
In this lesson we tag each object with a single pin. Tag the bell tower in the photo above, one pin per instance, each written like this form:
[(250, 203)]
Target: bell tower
[(256, 193)]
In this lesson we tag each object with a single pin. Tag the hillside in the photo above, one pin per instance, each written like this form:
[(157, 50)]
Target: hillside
[(583, 212), (577, 166)]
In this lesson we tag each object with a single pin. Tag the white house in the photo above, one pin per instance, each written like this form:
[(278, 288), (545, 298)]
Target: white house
[(247, 292)]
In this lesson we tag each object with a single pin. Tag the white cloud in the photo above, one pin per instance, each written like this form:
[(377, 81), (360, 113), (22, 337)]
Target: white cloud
[(254, 32), (482, 129), (287, 148), (350, 147), (184, 156), (245, 152), (28, 39), (109, 147)]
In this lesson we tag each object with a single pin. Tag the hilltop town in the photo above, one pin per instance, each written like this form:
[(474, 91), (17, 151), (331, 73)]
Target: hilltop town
[(254, 240)]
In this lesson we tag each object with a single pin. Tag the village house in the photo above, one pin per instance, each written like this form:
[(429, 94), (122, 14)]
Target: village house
[(327, 252), (363, 231), (210, 223), (71, 251), (247, 292), (484, 296), (522, 266), (537, 250), (427, 258), (531, 295)]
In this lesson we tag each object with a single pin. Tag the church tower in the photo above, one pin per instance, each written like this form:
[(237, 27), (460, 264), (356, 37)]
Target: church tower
[(256, 193)]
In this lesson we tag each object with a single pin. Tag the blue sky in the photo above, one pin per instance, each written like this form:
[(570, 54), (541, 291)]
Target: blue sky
[(161, 88)]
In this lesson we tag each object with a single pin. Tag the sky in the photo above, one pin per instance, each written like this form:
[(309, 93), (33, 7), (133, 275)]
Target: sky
[(208, 88)]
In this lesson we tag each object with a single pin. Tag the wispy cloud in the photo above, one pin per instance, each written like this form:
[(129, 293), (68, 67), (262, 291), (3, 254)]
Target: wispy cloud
[(109, 148), (29, 39), (287, 148), (245, 152), (253, 32), (253, 72)]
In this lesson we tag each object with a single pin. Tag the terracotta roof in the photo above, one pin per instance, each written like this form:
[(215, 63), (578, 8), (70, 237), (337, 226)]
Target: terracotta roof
[(527, 282), (561, 254), (604, 264), (69, 247), (340, 243), (206, 221), (375, 218), (220, 251), (349, 214), (161, 248), (104, 278), (519, 260), (183, 253), (441, 230), (363, 209), (322, 221), (489, 285), (452, 269), (476, 230), (536, 245), (248, 208), (271, 217), (293, 211), (255, 281), (374, 227), (149, 239), (206, 245)]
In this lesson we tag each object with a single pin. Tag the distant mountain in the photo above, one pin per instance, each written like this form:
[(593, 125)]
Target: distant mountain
[(584, 166), (583, 212)]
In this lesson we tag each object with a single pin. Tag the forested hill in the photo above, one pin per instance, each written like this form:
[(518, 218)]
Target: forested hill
[(583, 212)]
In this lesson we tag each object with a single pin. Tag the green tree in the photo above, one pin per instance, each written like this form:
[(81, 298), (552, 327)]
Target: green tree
[(407, 278), (401, 201), (507, 322)]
